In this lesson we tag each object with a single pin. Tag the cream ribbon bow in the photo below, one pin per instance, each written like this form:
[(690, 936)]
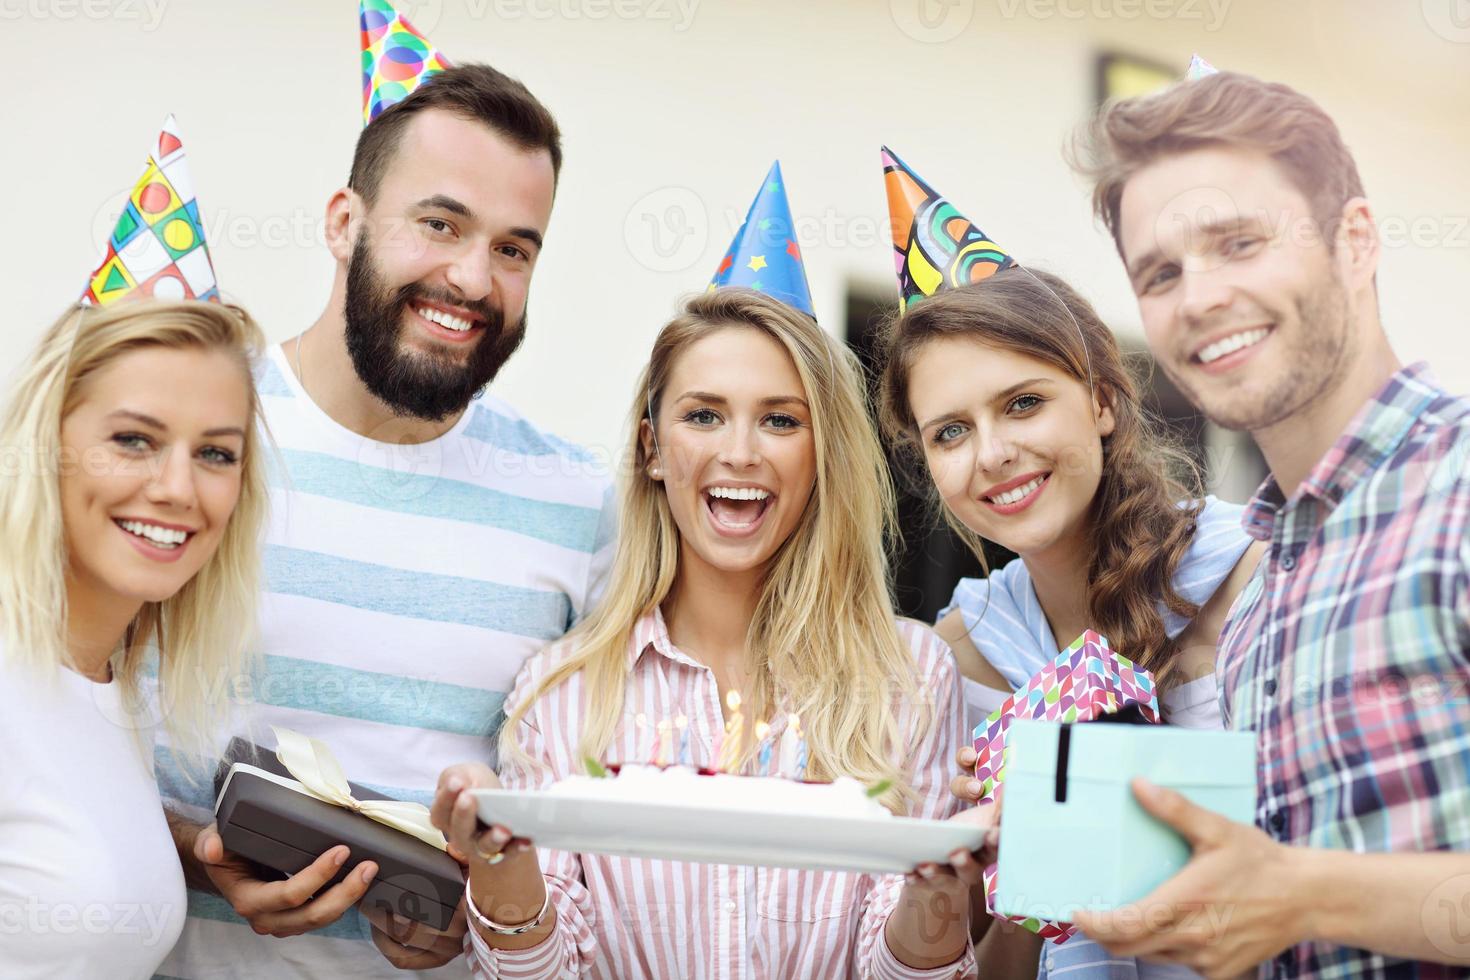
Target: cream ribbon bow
[(320, 774)]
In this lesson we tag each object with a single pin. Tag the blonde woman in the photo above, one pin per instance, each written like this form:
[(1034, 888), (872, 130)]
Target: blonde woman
[(750, 559), (131, 504)]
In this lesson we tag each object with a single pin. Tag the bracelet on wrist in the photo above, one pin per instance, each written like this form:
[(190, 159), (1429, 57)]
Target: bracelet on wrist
[(490, 925)]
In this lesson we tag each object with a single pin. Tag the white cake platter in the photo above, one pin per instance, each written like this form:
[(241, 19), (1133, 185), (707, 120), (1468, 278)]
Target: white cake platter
[(710, 835)]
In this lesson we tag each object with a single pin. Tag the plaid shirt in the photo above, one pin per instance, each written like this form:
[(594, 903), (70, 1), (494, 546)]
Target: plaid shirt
[(1349, 651)]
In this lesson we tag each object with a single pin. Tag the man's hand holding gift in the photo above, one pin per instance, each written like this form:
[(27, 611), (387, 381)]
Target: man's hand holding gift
[(411, 945), (319, 894), (298, 904), (288, 907), (1238, 902)]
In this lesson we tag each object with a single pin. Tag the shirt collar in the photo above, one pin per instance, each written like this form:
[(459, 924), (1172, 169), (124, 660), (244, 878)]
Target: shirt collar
[(1378, 429), (651, 633)]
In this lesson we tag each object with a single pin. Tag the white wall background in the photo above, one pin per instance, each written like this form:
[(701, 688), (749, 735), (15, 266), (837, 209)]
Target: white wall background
[(671, 116)]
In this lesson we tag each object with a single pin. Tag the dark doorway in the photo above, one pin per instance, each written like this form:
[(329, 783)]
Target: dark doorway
[(932, 558)]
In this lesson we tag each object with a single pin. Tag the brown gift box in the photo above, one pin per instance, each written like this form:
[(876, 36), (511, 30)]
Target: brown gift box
[(284, 829)]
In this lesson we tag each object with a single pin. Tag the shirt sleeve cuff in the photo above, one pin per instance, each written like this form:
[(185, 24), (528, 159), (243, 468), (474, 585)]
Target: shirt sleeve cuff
[(488, 963), (886, 966)]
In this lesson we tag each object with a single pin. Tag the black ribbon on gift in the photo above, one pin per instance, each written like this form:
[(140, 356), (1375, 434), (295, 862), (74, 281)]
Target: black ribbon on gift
[(1064, 752), (1131, 715)]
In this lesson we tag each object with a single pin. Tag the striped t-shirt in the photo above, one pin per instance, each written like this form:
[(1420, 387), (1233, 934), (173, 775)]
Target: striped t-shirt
[(404, 588)]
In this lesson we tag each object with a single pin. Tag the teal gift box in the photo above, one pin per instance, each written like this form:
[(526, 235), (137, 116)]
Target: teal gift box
[(1072, 834)]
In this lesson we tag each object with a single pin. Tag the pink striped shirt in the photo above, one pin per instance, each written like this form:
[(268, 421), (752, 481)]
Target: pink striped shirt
[(626, 918)]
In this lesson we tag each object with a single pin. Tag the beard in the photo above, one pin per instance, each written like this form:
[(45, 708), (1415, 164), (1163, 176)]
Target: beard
[(428, 385), (1316, 352)]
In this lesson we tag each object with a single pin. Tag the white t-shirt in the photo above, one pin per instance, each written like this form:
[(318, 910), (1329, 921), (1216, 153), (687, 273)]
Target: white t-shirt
[(90, 884)]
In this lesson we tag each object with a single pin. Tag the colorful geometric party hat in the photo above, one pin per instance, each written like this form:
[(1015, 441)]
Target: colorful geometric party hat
[(1199, 68), (157, 248), (396, 58), (934, 246), (764, 255)]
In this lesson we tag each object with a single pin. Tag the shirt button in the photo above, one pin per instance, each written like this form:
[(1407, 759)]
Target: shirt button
[(729, 906), (1269, 687), (1288, 562)]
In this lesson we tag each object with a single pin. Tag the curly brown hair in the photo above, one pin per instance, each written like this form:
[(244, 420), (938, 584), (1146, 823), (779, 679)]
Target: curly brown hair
[(1149, 496)]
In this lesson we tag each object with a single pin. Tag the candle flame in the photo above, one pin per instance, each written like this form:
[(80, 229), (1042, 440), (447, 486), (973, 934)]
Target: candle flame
[(796, 724), (732, 700), (762, 729), (681, 722)]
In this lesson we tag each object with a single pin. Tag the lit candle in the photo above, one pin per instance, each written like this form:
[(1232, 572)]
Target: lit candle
[(732, 731), (762, 732), (682, 723), (665, 743)]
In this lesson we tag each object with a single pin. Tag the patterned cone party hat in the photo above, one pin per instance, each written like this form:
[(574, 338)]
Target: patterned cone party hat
[(1199, 68), (157, 247), (764, 255), (396, 58), (934, 246)]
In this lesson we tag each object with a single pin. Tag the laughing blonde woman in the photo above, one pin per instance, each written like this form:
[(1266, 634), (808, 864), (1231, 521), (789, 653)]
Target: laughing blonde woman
[(751, 559)]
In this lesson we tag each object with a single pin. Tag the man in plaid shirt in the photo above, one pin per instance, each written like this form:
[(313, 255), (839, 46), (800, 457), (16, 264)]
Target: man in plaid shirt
[(1240, 217)]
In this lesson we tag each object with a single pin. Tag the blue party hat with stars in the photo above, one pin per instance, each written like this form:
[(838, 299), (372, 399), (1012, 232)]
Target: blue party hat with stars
[(764, 255)]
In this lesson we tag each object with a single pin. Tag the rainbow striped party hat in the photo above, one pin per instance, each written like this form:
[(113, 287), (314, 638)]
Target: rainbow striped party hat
[(396, 58)]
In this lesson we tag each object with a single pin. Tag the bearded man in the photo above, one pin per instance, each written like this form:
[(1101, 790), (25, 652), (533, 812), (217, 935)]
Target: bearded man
[(425, 538)]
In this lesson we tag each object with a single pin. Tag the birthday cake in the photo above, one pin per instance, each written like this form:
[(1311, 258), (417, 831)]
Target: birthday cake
[(844, 797)]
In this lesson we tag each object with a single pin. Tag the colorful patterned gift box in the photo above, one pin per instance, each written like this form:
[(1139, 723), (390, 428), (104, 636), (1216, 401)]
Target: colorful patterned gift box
[(1087, 680)]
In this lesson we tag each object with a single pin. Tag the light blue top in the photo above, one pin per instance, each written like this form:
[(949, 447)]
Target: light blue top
[(1013, 635)]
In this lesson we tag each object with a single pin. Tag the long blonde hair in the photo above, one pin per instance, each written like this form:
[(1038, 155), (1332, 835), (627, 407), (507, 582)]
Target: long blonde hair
[(823, 639), (201, 633)]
